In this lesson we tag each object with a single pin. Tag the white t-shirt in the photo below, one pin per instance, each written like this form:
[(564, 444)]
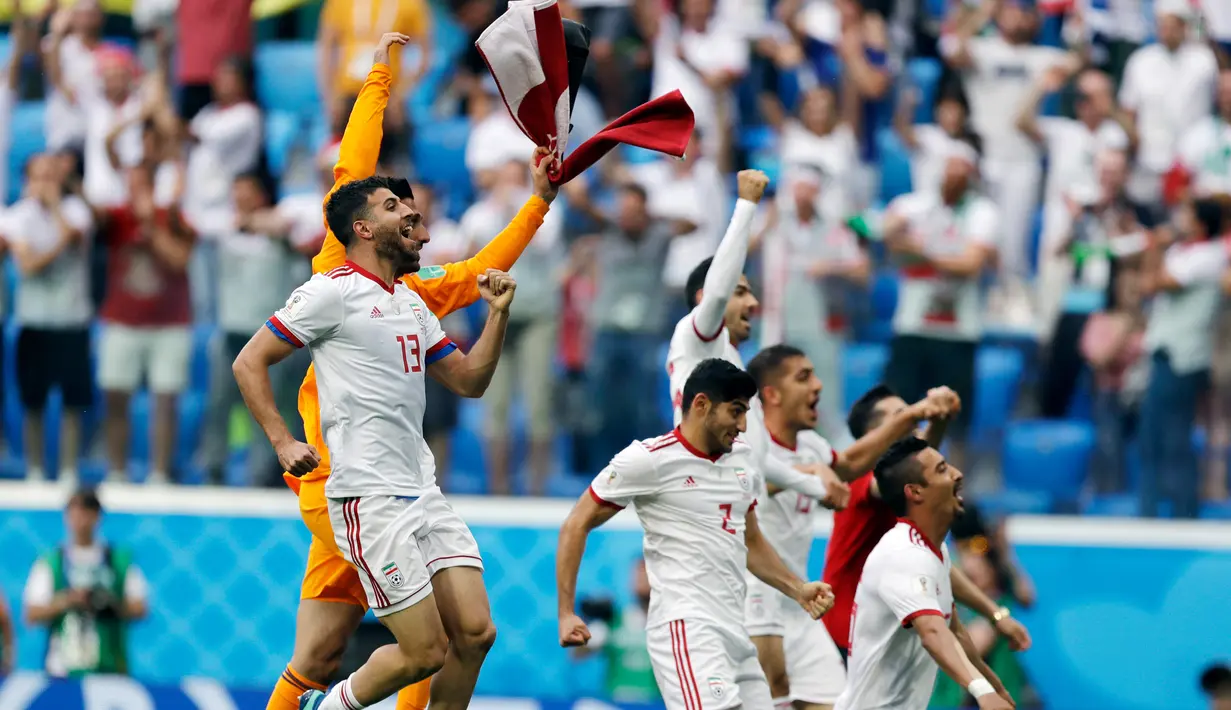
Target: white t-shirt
[(496, 140), (927, 160), (371, 345), (1171, 93), (59, 295), (692, 510), (538, 292), (786, 517), (904, 578), (929, 303), (65, 122), (253, 283), (1181, 322), (998, 85), (103, 185), (1071, 150), (1217, 16), (1205, 151), (835, 154), (41, 587), (699, 197), (228, 143), (689, 346)]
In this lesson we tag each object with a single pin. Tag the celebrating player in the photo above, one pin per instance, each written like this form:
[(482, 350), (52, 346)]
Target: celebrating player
[(373, 340), (866, 518), (695, 494), (333, 600), (801, 662), (906, 624), (722, 305)]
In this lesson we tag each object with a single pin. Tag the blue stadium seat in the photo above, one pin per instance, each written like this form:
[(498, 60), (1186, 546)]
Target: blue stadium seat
[(286, 76), (188, 435), (884, 294), (201, 365), (281, 135), (1216, 511), (1051, 456), (439, 156), (1119, 505), (139, 418), (925, 78), (894, 165), (12, 401), (757, 138), (28, 140), (863, 365), (998, 375), (468, 470), (1015, 502)]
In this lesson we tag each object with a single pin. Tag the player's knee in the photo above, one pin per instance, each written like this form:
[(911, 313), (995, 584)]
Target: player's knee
[(431, 657), (476, 639), (318, 666)]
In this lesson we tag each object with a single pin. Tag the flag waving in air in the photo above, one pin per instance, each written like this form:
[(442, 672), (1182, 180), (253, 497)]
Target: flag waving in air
[(528, 55)]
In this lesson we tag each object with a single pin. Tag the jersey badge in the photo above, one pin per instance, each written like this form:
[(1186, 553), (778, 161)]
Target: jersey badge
[(393, 575), (717, 687), (923, 584), (742, 476), (419, 316), (430, 272), (294, 306)]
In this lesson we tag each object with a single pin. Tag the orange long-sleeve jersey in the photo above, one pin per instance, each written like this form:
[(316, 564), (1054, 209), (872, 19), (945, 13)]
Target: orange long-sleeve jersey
[(446, 288)]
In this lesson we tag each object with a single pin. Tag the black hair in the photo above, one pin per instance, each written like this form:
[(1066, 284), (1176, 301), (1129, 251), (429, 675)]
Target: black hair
[(696, 282), (634, 188), (1216, 680), (262, 180), (720, 381), (765, 365), (244, 67), (87, 498), (898, 468), (864, 417), (349, 203), (1211, 214)]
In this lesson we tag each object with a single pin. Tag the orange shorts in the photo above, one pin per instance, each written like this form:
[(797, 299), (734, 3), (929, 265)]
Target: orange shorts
[(329, 577)]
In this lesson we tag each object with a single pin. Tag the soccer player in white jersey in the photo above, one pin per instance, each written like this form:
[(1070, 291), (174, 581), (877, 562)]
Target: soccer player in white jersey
[(694, 491), (722, 305), (904, 625), (801, 661), (372, 341)]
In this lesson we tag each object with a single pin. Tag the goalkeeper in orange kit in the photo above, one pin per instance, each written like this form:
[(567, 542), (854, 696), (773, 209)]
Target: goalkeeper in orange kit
[(332, 600)]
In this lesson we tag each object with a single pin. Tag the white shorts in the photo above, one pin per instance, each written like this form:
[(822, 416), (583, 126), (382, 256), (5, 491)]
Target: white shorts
[(700, 666), (813, 665), (158, 355), (398, 543), (763, 609)]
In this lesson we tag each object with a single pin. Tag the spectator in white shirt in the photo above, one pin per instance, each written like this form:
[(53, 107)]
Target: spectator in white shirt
[(1071, 145), (49, 233), (253, 284), (942, 240), (1168, 89), (930, 144), (495, 139), (530, 344), (1114, 29), (75, 36), (999, 71), (1179, 340), (824, 138), (1205, 151)]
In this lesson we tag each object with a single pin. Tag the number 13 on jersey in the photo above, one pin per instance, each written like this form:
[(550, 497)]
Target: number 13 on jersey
[(411, 353)]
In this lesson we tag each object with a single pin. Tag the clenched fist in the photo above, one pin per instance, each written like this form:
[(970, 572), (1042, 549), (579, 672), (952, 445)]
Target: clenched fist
[(497, 289), (816, 598), (573, 631), (752, 184), (298, 458)]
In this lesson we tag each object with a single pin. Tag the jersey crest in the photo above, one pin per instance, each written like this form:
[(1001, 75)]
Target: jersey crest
[(742, 476), (393, 575), (418, 311)]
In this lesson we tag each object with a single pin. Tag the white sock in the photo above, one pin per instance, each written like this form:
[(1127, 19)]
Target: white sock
[(782, 703), (341, 698)]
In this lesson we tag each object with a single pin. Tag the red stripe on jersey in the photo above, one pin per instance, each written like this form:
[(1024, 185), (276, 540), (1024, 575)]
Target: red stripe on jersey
[(694, 450), (340, 272), (601, 501), (370, 276), (663, 442), (291, 337), (444, 343), (916, 614), (704, 338)]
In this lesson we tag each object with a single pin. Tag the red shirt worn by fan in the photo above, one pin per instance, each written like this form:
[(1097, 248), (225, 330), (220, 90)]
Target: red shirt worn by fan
[(142, 291), (856, 530)]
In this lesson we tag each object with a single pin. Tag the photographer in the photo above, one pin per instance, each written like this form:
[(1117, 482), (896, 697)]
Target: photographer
[(86, 593)]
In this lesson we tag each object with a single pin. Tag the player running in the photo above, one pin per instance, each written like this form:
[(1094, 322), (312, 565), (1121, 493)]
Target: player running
[(866, 518), (722, 306), (906, 624), (333, 601), (373, 341), (801, 662), (695, 494)]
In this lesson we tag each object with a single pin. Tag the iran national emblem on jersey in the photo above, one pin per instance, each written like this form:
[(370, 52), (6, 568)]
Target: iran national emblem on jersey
[(743, 479), (418, 311), (393, 574), (717, 687)]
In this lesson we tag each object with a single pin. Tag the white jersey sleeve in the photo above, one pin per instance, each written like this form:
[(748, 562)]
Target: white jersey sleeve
[(910, 589), (630, 475), (314, 311), (438, 343)]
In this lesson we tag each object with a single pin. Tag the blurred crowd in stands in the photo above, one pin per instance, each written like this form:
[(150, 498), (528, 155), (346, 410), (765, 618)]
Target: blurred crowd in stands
[(1025, 201)]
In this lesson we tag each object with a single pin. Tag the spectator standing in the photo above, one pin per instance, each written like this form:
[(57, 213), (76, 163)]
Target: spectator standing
[(207, 33), (349, 28), (1179, 339), (1114, 30), (495, 140), (1204, 156), (225, 136), (942, 240), (253, 285), (809, 260), (930, 144), (75, 36), (998, 71), (49, 235), (146, 315), (1168, 89), (87, 593), (530, 342), (824, 139)]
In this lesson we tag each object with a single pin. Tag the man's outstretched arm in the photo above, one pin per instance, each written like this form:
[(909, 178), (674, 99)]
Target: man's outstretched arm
[(728, 263)]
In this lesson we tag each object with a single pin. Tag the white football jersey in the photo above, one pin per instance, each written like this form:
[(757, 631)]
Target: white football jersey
[(689, 346), (371, 345), (904, 578), (786, 517), (692, 510)]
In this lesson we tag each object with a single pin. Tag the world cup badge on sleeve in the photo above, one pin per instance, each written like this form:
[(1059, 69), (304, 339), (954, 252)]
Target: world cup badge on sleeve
[(393, 575)]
